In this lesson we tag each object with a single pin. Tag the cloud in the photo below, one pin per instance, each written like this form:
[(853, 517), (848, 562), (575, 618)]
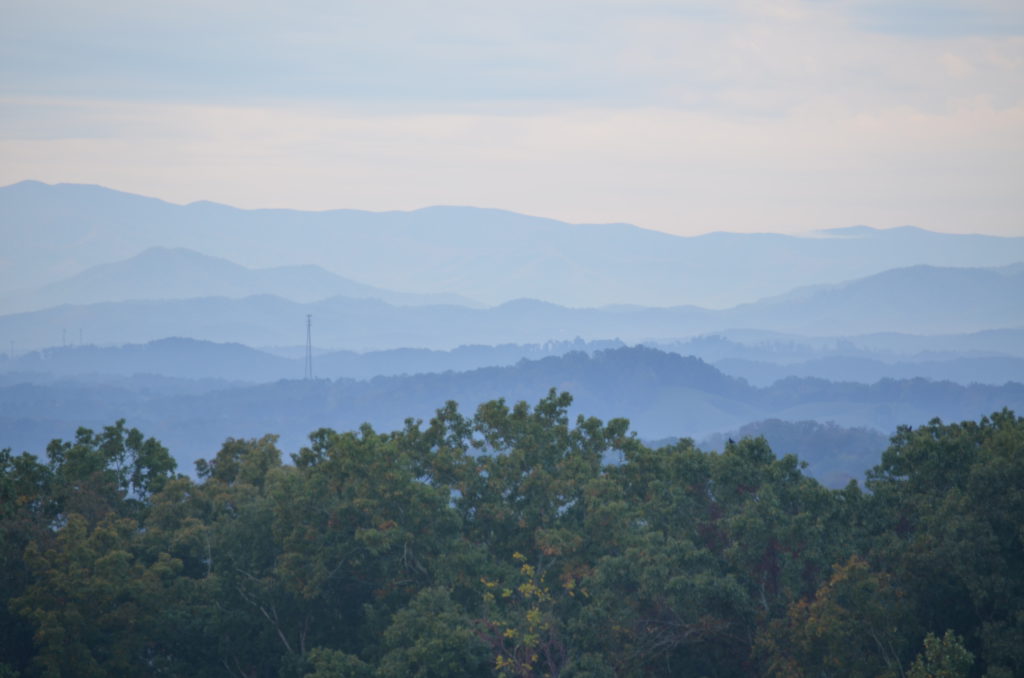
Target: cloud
[(732, 57), (674, 170), (685, 116), (939, 18)]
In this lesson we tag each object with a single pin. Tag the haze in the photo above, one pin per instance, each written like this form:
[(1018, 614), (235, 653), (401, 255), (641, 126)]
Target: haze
[(686, 117), (609, 338)]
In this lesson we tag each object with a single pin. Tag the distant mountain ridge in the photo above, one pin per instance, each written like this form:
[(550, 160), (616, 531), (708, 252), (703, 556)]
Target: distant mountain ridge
[(962, 370), (181, 358), (918, 300), (161, 273), (915, 296), (52, 232), (761, 366), (662, 394)]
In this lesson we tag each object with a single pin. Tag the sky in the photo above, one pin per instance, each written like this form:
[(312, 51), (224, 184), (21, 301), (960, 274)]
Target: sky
[(687, 117)]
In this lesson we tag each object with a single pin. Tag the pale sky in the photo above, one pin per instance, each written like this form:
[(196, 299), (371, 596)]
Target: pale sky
[(687, 117)]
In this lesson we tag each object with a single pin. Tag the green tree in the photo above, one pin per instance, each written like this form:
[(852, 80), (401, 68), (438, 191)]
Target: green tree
[(944, 657), (27, 514), (947, 506), (857, 624), (433, 637), (114, 470), (328, 663), (93, 602)]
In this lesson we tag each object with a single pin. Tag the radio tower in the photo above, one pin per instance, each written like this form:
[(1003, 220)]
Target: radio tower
[(309, 346)]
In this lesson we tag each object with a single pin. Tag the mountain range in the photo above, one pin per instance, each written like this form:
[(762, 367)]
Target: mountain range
[(190, 320), (916, 300), (492, 256), (163, 273), (193, 359), (662, 394), (760, 364)]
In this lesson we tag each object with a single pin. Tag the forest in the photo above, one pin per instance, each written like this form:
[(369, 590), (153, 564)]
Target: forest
[(662, 394), (513, 542)]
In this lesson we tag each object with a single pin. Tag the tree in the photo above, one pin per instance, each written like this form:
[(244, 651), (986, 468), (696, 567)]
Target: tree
[(27, 513), (947, 506), (857, 624), (94, 604), (944, 657), (115, 470), (433, 637)]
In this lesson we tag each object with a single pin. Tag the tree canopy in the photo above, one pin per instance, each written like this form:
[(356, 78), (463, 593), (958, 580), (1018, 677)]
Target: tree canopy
[(513, 542)]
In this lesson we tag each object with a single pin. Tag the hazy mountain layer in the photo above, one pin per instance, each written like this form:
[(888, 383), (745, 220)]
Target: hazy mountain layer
[(784, 348), (831, 450), (662, 394), (51, 232), (193, 359), (761, 364), (910, 300), (161, 273), (983, 370)]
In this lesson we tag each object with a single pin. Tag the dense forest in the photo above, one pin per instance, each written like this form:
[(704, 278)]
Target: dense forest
[(505, 544)]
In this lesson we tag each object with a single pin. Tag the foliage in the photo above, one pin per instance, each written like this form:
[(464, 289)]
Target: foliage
[(513, 543), (944, 657)]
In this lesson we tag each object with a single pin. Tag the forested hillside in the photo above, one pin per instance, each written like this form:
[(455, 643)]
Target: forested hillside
[(502, 544), (663, 395), (834, 454), (761, 361)]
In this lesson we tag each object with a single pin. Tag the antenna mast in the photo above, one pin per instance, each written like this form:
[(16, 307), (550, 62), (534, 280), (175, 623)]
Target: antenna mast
[(309, 346)]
